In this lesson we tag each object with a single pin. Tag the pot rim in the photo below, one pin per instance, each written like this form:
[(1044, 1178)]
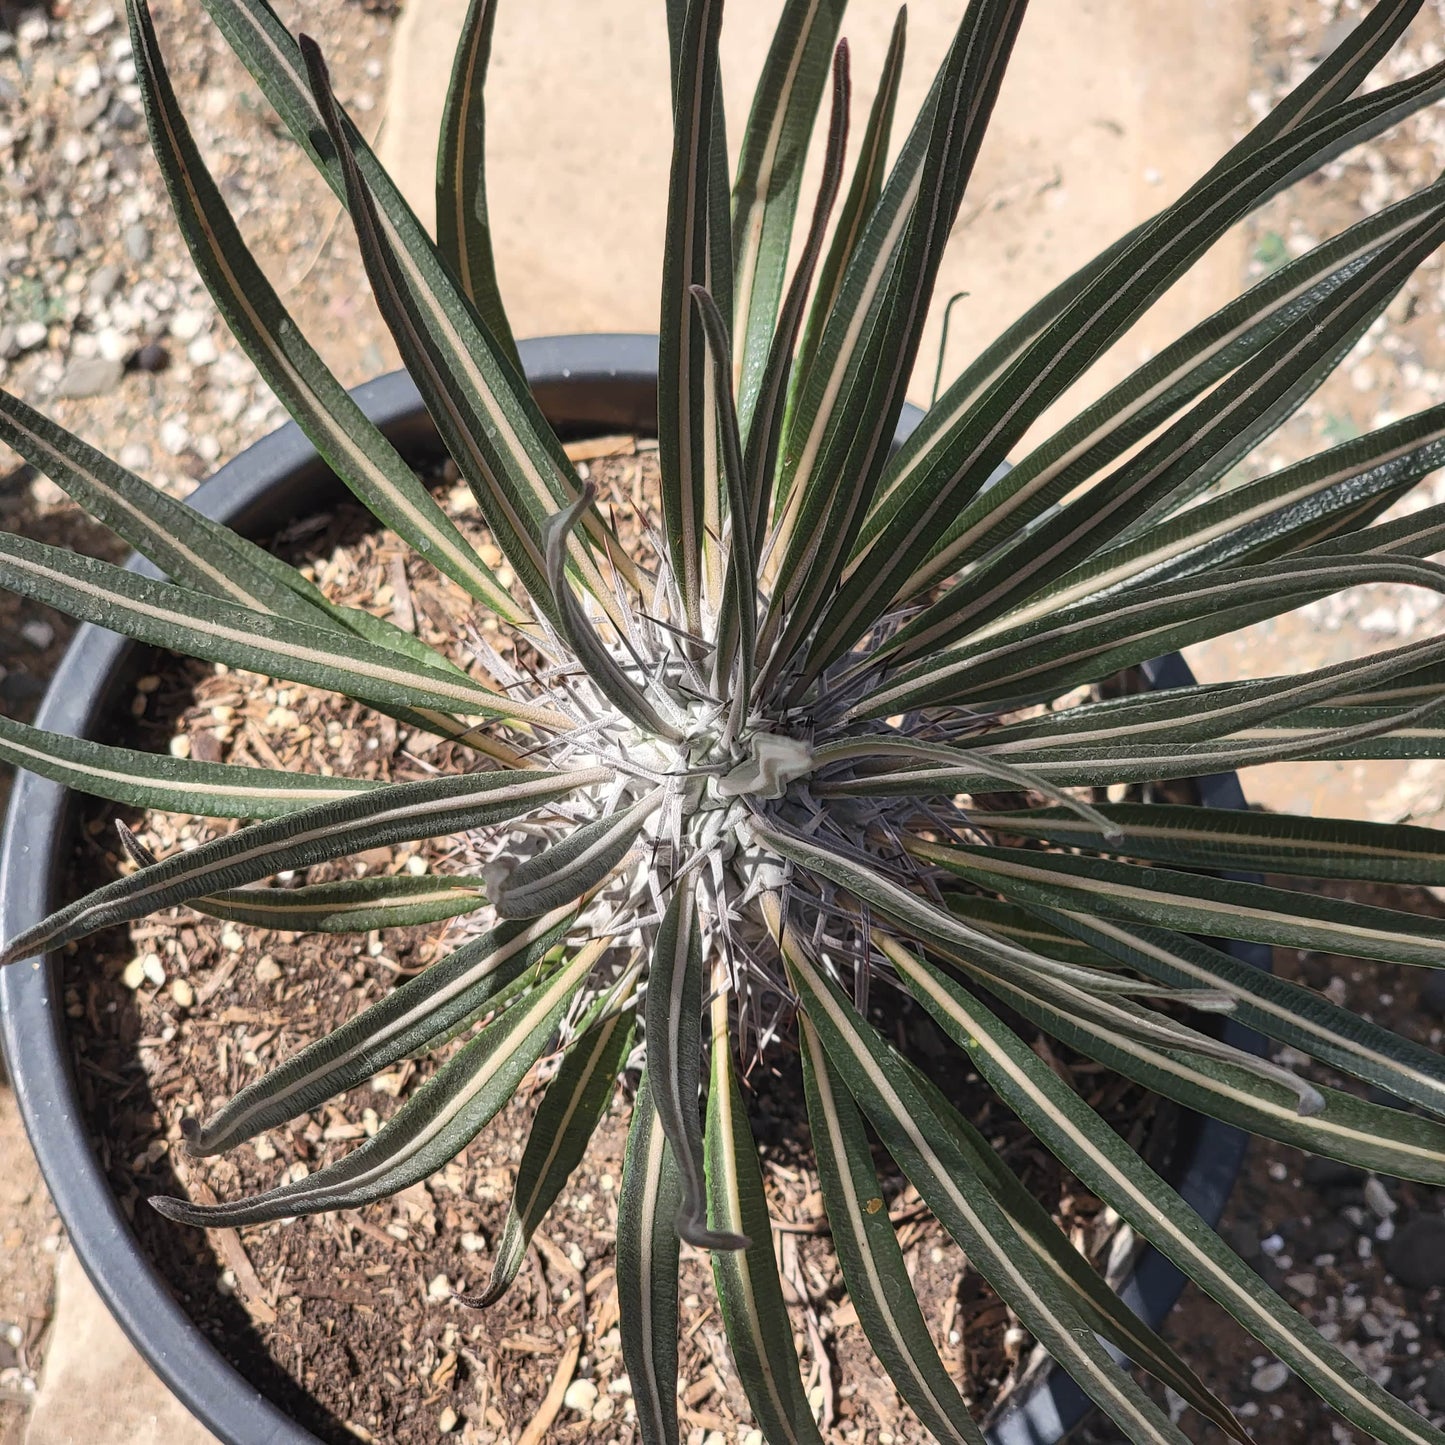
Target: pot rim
[(587, 384)]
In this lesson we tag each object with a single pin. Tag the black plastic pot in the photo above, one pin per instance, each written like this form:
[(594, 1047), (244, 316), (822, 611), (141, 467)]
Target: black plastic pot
[(587, 385)]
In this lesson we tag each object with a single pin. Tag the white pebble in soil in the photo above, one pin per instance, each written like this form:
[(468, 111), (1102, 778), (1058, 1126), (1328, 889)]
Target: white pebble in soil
[(1269, 1378), (581, 1396)]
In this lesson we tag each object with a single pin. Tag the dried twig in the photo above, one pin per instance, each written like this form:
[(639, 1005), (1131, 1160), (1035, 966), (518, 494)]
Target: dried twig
[(551, 1404)]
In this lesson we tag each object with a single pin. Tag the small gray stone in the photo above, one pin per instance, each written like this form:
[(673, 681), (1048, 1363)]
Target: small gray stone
[(90, 376), (103, 283), (30, 334), (1416, 1255), (65, 244), (1269, 1378), (9, 347), (137, 242), (91, 109), (1434, 1391)]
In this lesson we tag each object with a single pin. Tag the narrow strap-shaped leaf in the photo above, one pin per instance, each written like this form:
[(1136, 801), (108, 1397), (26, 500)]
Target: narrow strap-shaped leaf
[(1191, 453), (1128, 412), (569, 868), (925, 920), (444, 347), (929, 1154), (737, 628), (352, 446), (444, 1115), (1104, 431), (1321, 733), (868, 1252), (1296, 507), (1114, 1171), (208, 556), (1354, 732), (157, 780), (192, 622), (395, 1027), (1239, 840), (749, 1291), (1327, 732), (1105, 1311), (769, 179), (674, 1053), (1341, 72), (1024, 927), (833, 500), (1296, 1016), (518, 430), (194, 550), (601, 666), (1419, 534), (765, 433), (464, 233), (1394, 678), (515, 516), (1093, 639), (354, 905), (684, 402), (1317, 96), (573, 1106), (834, 363), (853, 215), (1185, 902), (967, 453), (1321, 1121), (954, 760), (647, 1251), (402, 812), (957, 759)]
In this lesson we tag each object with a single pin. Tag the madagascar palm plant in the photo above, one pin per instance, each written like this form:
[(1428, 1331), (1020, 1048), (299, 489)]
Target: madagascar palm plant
[(741, 790)]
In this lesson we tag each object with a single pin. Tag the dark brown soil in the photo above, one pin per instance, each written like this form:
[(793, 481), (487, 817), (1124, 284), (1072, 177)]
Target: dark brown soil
[(348, 1320)]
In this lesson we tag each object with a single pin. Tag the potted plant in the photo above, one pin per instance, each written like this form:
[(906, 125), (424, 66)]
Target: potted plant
[(831, 736)]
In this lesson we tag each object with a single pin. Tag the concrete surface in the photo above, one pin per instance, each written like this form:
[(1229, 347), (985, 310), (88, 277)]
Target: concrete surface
[(1110, 108), (95, 1389)]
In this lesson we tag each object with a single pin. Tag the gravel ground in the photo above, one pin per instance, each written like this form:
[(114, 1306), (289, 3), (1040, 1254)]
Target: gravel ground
[(103, 322)]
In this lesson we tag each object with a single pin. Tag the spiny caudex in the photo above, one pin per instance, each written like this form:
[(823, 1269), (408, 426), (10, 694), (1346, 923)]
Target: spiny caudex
[(836, 735)]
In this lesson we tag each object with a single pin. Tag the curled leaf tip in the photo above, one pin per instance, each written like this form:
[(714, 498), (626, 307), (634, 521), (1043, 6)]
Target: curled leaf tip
[(181, 1211), (692, 1228), (473, 1301)]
